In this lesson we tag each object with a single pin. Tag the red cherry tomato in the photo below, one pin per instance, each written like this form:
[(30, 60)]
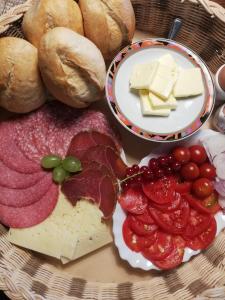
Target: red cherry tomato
[(162, 247), (181, 155), (198, 154), (202, 187), (203, 240), (207, 171), (183, 188), (133, 200), (175, 258), (211, 203), (190, 171), (161, 191), (141, 228)]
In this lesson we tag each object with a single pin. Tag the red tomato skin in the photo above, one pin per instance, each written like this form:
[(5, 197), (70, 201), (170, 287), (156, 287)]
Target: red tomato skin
[(198, 154), (207, 171), (196, 204), (202, 187), (162, 247), (145, 218), (133, 200), (182, 155), (140, 228), (190, 171), (169, 206), (183, 188), (211, 203)]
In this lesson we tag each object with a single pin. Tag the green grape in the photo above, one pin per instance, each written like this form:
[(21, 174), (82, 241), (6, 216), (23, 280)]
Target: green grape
[(50, 161), (71, 164)]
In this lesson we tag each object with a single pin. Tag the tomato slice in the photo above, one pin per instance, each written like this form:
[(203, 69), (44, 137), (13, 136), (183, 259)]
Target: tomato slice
[(197, 223), (141, 228), (196, 204), (133, 200), (183, 188), (133, 241), (145, 218), (203, 240), (175, 258), (211, 203), (160, 191), (173, 222), (167, 207), (162, 247)]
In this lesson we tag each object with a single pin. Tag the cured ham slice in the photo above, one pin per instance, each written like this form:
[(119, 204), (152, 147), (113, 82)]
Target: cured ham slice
[(24, 197), (84, 140), (10, 154), (27, 216), (94, 183), (108, 157), (15, 180)]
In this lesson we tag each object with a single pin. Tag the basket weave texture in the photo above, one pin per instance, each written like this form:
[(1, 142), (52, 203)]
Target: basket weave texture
[(24, 276)]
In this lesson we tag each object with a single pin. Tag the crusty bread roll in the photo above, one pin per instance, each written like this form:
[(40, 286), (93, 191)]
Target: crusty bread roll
[(45, 15), (72, 67), (21, 88), (109, 24)]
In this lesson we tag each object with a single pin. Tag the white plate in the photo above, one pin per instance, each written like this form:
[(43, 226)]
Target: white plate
[(137, 260), (190, 114)]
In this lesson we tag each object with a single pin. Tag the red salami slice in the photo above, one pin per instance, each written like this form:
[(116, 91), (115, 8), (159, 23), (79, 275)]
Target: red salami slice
[(93, 183), (10, 154), (84, 140), (27, 216), (15, 180), (108, 157), (24, 197)]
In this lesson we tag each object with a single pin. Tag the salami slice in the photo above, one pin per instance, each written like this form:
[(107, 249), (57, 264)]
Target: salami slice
[(24, 197), (84, 140), (10, 154), (27, 216), (108, 157), (93, 183), (15, 180)]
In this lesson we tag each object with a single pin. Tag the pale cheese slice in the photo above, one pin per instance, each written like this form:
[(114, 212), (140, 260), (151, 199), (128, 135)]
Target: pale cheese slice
[(168, 60), (147, 108), (65, 232), (158, 103), (163, 81), (142, 75), (189, 83)]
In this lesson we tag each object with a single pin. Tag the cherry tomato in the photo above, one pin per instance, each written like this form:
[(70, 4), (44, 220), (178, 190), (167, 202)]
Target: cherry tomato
[(211, 203), (183, 188), (172, 222), (133, 199), (162, 247), (202, 187), (207, 171), (203, 240), (198, 154), (181, 155), (190, 171), (141, 228), (197, 223), (196, 204), (134, 242), (175, 258), (160, 191)]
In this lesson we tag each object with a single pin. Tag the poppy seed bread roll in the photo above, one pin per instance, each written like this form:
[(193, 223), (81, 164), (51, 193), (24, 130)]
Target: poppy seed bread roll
[(21, 87), (72, 67), (109, 24), (45, 15)]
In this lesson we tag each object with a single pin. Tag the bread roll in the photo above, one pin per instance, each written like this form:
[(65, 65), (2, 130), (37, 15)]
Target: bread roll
[(109, 24), (72, 67), (21, 88), (45, 15)]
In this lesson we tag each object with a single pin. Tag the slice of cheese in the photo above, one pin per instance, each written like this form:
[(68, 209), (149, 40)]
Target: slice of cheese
[(65, 233), (142, 75), (147, 108), (168, 60), (163, 81), (189, 83), (158, 103)]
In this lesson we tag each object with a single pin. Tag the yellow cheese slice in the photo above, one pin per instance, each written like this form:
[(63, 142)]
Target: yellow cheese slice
[(158, 103), (147, 108), (168, 60), (65, 232), (142, 75), (189, 83), (163, 81)]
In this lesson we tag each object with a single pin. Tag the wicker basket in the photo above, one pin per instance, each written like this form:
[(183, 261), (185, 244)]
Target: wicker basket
[(23, 275)]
